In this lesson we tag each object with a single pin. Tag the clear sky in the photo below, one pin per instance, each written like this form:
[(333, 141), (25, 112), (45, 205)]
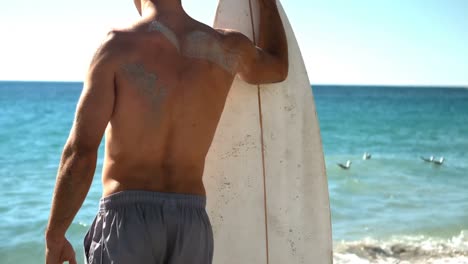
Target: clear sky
[(416, 42)]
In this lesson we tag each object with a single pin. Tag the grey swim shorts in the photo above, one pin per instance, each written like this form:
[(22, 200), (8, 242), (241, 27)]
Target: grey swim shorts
[(137, 227)]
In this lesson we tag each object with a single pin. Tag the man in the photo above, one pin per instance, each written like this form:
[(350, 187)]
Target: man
[(158, 90)]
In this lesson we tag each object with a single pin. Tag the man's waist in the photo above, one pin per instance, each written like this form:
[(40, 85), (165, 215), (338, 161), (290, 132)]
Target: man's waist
[(132, 197)]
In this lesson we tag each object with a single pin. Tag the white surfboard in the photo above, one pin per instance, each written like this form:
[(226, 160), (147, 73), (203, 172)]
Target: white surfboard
[(265, 172)]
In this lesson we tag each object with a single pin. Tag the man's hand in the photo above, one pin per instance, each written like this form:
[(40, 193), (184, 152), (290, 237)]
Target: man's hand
[(265, 61), (58, 252)]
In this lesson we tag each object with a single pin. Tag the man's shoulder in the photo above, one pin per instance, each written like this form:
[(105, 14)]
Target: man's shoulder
[(115, 43), (111, 49), (232, 38), (116, 39), (229, 33)]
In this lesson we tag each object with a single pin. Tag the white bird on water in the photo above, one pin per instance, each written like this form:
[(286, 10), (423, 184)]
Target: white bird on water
[(366, 156), (345, 167), (439, 162), (431, 159)]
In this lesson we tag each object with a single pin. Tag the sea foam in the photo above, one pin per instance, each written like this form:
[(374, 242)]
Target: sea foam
[(404, 249)]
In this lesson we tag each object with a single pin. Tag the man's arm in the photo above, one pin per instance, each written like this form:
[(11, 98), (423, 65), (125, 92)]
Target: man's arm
[(78, 162), (266, 62)]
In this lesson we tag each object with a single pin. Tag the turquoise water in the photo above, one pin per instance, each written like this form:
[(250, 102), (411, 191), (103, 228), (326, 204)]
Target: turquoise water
[(390, 209)]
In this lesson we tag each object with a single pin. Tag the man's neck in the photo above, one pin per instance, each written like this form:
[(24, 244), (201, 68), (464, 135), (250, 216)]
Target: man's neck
[(158, 8)]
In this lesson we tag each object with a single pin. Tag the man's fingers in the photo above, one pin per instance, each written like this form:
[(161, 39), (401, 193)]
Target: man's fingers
[(52, 258), (68, 254), (72, 258), (72, 261), (71, 255)]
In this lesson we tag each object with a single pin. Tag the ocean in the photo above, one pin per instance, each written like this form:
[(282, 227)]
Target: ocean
[(393, 208)]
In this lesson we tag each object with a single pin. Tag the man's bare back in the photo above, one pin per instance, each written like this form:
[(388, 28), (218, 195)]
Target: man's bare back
[(157, 90), (167, 105)]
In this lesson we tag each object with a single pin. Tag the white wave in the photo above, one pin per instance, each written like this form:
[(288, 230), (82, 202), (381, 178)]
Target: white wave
[(404, 250)]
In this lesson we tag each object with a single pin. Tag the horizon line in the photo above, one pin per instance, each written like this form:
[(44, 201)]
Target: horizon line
[(459, 86)]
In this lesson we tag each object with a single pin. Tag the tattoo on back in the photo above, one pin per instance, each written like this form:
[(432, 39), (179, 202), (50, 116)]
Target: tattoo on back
[(147, 83), (197, 44), (200, 45), (169, 34)]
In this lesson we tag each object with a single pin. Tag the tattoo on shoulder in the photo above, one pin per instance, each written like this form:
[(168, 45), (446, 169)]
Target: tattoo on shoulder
[(169, 34), (147, 83), (200, 45)]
